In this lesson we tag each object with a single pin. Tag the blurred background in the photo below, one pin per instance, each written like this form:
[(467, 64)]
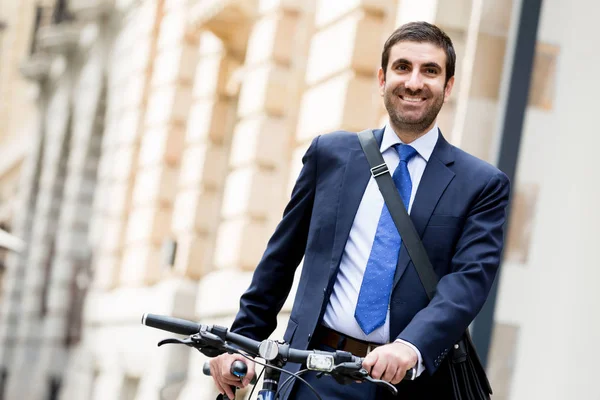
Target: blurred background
[(147, 149)]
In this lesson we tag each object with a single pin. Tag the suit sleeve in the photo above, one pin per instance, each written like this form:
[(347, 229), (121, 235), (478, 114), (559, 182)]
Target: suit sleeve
[(274, 275), (461, 293)]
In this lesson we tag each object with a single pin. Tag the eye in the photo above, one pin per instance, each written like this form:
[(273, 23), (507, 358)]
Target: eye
[(431, 71), (403, 67)]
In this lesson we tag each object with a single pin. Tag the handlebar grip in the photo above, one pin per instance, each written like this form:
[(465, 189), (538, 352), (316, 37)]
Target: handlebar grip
[(206, 369), (234, 367), (171, 324), (238, 369)]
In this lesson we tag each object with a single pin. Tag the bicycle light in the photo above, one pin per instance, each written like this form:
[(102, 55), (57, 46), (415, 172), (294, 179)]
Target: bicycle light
[(268, 349), (320, 362)]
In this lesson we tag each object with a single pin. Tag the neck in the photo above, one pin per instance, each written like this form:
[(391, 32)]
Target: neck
[(407, 135)]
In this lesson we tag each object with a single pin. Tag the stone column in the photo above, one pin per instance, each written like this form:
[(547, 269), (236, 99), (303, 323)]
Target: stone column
[(254, 189), (156, 176), (129, 76), (162, 138), (70, 268), (341, 74), (479, 34), (203, 173), (204, 162), (204, 167), (57, 131), (16, 93), (14, 278)]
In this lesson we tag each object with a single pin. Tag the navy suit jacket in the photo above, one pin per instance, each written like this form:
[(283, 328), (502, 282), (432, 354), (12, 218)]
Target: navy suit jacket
[(459, 212)]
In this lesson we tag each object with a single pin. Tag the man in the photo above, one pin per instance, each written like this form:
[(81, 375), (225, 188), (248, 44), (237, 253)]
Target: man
[(336, 219)]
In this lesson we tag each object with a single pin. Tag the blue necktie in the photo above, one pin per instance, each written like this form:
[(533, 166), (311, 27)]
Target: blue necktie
[(374, 296)]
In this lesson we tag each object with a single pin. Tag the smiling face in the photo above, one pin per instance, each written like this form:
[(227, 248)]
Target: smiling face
[(414, 87)]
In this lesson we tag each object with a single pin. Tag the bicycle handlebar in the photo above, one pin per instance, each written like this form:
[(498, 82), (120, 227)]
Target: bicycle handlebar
[(215, 340), (171, 324), (265, 348)]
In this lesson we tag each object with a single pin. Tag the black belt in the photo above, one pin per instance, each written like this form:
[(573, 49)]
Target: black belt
[(329, 337)]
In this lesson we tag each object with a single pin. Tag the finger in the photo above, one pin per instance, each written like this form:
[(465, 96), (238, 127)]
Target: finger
[(369, 361), (379, 368), (219, 387), (215, 372), (398, 377), (225, 370), (232, 382), (250, 374), (222, 381), (390, 372), (229, 392)]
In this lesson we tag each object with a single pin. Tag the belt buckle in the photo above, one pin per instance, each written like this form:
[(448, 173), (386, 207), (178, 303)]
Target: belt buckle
[(369, 349)]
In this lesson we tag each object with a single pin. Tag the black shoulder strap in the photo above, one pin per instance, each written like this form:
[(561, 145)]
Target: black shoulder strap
[(408, 233)]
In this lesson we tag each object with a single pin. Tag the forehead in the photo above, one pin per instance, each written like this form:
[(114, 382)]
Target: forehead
[(418, 53)]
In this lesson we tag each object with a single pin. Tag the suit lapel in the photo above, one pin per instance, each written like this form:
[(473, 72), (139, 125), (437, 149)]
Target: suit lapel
[(355, 180), (436, 177)]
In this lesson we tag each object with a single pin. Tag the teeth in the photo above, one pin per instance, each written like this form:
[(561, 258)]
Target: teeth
[(412, 99)]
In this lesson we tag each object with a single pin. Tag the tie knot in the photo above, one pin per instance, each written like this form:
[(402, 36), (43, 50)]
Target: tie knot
[(405, 152)]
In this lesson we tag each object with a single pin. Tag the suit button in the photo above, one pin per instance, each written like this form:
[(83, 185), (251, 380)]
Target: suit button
[(309, 337)]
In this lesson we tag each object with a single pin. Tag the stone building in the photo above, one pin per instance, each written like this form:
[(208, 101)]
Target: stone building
[(147, 149)]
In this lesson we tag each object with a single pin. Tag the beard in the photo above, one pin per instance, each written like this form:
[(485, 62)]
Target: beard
[(404, 121)]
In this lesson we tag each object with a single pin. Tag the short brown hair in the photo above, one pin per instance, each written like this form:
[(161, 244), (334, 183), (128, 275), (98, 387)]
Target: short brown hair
[(421, 32)]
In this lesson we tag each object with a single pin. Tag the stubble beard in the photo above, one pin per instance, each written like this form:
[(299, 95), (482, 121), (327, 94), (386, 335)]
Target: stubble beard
[(415, 127)]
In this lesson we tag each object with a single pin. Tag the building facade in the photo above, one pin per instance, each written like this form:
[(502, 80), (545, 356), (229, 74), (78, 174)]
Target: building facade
[(147, 149)]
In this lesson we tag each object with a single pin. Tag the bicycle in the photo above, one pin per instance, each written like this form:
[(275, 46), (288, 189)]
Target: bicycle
[(213, 340)]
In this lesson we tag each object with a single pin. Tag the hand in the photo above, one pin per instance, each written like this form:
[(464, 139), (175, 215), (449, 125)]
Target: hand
[(220, 370), (390, 362)]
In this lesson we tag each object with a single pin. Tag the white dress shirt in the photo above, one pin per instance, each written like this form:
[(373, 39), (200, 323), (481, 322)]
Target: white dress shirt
[(339, 314)]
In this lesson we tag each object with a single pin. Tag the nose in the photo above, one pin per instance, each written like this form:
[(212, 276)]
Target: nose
[(415, 81)]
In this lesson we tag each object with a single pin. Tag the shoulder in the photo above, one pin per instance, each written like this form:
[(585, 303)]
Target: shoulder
[(476, 169), (338, 138), (334, 143)]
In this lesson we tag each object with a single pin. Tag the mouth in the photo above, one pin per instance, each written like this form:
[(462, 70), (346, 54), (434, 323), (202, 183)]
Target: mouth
[(412, 99)]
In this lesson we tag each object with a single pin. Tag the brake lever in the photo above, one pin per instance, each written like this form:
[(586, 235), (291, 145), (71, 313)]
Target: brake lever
[(348, 372), (186, 341), (351, 371), (196, 342), (385, 384)]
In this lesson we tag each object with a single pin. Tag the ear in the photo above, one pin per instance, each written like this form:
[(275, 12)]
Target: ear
[(448, 89), (381, 79)]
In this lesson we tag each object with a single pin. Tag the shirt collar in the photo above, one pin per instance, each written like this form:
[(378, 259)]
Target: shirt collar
[(424, 145)]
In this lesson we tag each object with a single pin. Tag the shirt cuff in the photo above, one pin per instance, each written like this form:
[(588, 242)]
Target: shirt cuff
[(420, 366)]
